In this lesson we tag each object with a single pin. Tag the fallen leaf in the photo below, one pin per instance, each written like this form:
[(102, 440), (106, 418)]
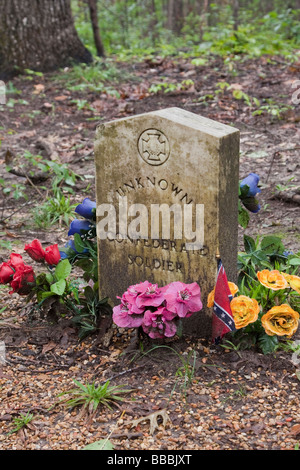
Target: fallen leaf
[(295, 430), (38, 88), (236, 86), (10, 234), (257, 428), (47, 106), (153, 418), (61, 98), (48, 347)]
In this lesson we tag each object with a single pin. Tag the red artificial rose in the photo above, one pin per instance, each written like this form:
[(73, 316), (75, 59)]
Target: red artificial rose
[(52, 255), (35, 250), (23, 280), (16, 260), (6, 273)]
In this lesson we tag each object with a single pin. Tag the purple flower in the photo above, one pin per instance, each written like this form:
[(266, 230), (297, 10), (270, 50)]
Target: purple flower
[(183, 299), (150, 296), (86, 209), (79, 226), (251, 181), (125, 318), (144, 295), (287, 253), (159, 323)]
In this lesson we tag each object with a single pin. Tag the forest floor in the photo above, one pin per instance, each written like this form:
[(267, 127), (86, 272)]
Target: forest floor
[(236, 400)]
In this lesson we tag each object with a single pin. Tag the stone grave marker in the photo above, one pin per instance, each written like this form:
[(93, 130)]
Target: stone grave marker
[(167, 203)]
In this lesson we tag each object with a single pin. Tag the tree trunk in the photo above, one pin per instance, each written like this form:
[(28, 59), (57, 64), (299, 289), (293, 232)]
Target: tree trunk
[(175, 15), (236, 14), (38, 35), (95, 26), (153, 23)]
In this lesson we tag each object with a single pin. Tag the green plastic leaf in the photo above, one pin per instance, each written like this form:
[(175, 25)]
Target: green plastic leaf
[(44, 295), (249, 244), (259, 256), (271, 244), (63, 269), (59, 287), (243, 217), (294, 261), (268, 344), (243, 191), (79, 243), (89, 294), (49, 278)]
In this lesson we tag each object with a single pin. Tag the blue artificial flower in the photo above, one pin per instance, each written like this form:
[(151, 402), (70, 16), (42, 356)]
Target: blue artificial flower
[(63, 254), (251, 181), (86, 209), (70, 249), (79, 226), (69, 245), (251, 204)]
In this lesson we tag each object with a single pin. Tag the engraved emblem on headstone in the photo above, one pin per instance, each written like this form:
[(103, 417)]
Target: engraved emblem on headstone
[(153, 147)]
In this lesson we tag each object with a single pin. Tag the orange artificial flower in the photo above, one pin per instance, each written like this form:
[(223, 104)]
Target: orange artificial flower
[(211, 296), (272, 279), (281, 320), (244, 310), (293, 281)]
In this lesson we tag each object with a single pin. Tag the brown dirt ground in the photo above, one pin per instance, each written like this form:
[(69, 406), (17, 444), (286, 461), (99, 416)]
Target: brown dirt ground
[(243, 401)]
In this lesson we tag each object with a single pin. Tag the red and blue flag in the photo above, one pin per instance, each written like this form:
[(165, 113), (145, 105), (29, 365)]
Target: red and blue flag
[(222, 321)]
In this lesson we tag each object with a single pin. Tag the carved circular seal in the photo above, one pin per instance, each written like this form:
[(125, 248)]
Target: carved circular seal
[(153, 147)]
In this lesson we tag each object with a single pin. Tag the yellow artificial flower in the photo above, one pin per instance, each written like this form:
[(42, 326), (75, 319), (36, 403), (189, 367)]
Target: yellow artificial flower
[(244, 310), (281, 320), (211, 296), (272, 279), (293, 281)]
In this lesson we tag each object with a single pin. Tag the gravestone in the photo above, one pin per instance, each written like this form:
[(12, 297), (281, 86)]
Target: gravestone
[(167, 203)]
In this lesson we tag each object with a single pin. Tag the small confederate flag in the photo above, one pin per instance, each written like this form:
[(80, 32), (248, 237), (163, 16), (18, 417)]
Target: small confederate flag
[(222, 321)]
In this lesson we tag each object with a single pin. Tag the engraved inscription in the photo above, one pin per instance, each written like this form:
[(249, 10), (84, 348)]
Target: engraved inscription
[(161, 183), (155, 263), (153, 147)]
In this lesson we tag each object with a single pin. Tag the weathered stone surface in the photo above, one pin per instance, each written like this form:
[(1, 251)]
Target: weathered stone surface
[(169, 157)]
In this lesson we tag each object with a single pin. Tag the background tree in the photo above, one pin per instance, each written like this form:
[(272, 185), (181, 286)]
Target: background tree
[(175, 15), (38, 35), (95, 25)]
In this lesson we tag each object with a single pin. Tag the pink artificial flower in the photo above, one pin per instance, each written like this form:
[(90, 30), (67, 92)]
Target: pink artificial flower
[(159, 323), (183, 299), (130, 297), (124, 317), (148, 295)]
